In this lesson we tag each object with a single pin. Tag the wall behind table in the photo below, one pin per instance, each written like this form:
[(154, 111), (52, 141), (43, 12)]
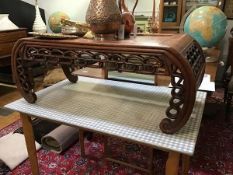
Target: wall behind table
[(144, 6), (76, 9)]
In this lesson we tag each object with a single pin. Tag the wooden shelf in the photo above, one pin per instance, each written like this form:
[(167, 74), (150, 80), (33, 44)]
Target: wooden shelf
[(170, 5), (170, 14)]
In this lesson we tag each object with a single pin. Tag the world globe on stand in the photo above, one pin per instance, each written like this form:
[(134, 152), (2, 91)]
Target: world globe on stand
[(207, 25), (55, 21)]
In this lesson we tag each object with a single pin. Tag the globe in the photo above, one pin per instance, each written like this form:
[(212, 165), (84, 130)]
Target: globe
[(207, 25), (55, 21)]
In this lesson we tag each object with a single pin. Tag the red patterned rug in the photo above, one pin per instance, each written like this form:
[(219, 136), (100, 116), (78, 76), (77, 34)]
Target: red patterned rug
[(213, 154)]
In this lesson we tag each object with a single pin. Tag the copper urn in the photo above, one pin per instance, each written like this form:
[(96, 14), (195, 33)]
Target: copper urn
[(103, 16)]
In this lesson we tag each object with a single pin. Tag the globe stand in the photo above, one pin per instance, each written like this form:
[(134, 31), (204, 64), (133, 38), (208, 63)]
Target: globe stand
[(211, 54), (211, 59)]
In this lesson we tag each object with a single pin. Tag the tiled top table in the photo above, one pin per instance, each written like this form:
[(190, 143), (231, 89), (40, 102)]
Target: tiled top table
[(126, 110)]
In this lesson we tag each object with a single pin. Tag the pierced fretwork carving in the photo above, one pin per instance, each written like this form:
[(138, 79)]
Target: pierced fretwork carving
[(134, 63), (24, 77), (176, 102), (139, 63), (195, 57)]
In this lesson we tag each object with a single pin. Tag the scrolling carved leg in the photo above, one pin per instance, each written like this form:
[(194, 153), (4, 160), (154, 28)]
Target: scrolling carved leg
[(22, 76), (180, 104), (68, 72)]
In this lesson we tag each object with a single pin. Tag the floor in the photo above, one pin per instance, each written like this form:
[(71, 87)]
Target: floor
[(8, 95)]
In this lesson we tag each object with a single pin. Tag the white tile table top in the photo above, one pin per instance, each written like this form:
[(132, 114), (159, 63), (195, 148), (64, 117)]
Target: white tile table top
[(127, 110)]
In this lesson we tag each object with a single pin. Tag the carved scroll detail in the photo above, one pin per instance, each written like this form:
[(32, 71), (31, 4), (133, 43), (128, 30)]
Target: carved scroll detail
[(24, 77), (175, 111), (176, 101)]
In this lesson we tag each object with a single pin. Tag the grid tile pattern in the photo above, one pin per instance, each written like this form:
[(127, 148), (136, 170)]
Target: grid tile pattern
[(126, 110)]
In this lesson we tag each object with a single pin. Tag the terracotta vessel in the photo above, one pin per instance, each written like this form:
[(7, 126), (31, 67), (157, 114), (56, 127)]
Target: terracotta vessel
[(103, 16), (127, 16)]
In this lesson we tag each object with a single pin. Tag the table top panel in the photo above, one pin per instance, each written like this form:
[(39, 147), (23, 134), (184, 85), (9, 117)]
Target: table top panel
[(126, 110), (159, 41)]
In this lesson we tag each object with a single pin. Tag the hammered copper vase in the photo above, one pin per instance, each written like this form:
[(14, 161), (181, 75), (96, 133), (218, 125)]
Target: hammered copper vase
[(103, 16)]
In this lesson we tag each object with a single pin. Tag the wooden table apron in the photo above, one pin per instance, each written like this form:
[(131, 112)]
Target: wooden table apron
[(176, 55)]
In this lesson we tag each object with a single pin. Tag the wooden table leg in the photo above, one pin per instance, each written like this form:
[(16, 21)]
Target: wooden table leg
[(106, 150), (156, 80), (151, 163), (105, 73), (81, 143), (30, 142), (172, 164), (185, 164)]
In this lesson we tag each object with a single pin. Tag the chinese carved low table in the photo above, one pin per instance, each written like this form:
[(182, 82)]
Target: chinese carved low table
[(177, 55)]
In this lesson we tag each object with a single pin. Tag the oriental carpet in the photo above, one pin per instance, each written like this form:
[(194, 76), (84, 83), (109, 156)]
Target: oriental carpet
[(213, 153)]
